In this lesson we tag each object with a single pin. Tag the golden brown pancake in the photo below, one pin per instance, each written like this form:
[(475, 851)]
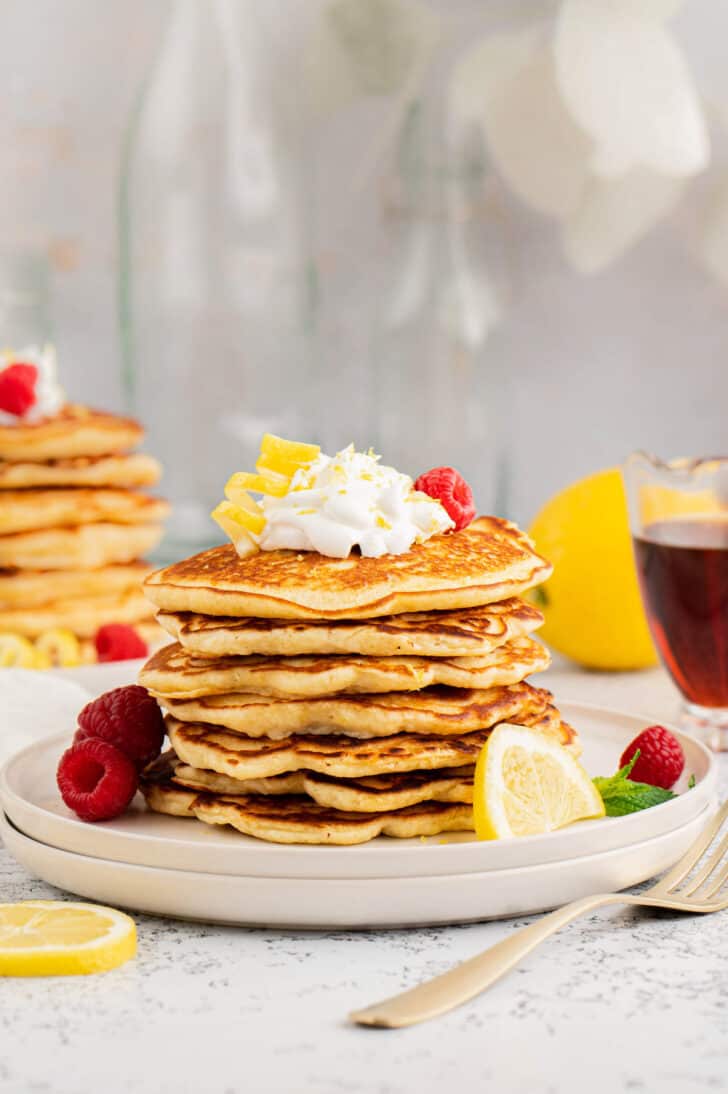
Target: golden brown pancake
[(75, 431), (28, 588), (206, 747), (84, 547), (297, 819), (133, 470), (374, 794), (172, 672), (82, 615), (488, 561), (435, 710), (470, 632), (58, 507)]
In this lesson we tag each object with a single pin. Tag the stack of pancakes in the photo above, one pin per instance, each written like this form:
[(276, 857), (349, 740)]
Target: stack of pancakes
[(319, 700), (74, 524)]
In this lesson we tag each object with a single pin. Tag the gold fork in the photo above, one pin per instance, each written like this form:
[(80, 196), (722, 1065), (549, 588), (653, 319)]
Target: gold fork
[(701, 893)]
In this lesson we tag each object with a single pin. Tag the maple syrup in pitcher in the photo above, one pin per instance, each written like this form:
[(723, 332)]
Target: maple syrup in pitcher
[(683, 571)]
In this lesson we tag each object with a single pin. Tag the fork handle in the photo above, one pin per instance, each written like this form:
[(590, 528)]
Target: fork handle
[(468, 979)]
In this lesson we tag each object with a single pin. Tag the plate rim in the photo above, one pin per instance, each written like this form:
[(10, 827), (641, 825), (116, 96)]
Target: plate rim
[(374, 860), (395, 881), (422, 895)]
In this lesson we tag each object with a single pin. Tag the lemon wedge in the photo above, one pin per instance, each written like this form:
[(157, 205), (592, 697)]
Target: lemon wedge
[(54, 938), (526, 784)]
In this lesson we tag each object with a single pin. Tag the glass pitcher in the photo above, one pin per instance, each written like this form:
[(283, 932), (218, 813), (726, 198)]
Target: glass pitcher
[(312, 244), (679, 519), (24, 300)]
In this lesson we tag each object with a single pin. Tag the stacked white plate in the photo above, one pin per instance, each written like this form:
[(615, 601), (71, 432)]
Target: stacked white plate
[(182, 868)]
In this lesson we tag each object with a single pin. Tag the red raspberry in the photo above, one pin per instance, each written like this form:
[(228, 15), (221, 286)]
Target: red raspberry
[(127, 718), (119, 642), (17, 388), (661, 759), (452, 491), (96, 780)]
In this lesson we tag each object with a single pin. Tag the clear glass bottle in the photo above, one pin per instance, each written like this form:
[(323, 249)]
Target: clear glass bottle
[(214, 287), (24, 300)]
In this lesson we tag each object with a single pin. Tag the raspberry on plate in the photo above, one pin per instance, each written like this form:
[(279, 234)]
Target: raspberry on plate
[(17, 388), (453, 493), (96, 780), (661, 759), (128, 718), (119, 642)]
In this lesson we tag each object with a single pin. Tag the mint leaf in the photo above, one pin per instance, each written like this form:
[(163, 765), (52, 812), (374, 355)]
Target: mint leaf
[(691, 782), (622, 796), (626, 771)]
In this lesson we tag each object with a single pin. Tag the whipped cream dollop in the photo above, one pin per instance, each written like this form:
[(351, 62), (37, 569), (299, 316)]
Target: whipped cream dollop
[(350, 500), (49, 395)]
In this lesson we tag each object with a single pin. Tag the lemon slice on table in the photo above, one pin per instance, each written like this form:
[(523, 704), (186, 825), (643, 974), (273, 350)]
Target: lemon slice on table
[(55, 938), (526, 784)]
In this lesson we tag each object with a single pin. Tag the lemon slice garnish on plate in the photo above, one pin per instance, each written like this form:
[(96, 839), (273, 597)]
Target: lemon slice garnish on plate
[(527, 784), (55, 938)]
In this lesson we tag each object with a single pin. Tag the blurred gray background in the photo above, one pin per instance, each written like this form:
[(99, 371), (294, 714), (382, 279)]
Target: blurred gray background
[(635, 356)]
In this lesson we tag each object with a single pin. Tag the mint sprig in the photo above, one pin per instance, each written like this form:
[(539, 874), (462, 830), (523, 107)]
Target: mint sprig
[(622, 796)]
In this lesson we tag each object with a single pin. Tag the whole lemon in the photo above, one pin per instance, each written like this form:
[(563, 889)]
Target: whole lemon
[(592, 602)]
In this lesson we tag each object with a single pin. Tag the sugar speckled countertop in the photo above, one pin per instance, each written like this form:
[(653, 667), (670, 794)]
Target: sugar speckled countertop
[(619, 1001)]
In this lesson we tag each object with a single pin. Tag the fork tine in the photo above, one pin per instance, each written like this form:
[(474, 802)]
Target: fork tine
[(694, 883), (715, 886), (683, 867)]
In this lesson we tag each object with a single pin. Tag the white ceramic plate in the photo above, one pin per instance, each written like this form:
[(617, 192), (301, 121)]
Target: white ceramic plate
[(29, 796), (347, 903)]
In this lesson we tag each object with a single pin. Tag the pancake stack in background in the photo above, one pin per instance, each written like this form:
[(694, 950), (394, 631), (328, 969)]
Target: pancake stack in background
[(74, 525), (313, 699)]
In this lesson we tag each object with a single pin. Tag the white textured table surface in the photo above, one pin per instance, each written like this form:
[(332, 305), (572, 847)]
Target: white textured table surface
[(620, 1001)]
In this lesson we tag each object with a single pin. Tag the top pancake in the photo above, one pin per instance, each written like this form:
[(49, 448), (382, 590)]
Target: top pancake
[(471, 632), (488, 561), (75, 431), (134, 469)]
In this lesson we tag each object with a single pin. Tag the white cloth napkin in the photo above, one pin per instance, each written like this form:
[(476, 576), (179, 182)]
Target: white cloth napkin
[(34, 705)]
